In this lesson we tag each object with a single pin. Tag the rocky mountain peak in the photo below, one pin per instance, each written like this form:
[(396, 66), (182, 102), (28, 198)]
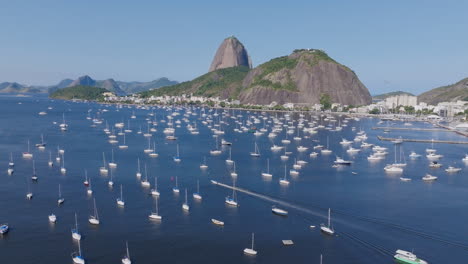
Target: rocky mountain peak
[(231, 53)]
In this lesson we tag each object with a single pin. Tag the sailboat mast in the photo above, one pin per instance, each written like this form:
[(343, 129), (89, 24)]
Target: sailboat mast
[(253, 238), (329, 217)]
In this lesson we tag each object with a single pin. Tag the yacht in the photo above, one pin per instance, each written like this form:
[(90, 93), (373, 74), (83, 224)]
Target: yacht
[(155, 215), (176, 187), (77, 256), (52, 218), (406, 257), (94, 219), (120, 201), (393, 169), (217, 222), (276, 148), (185, 205), (405, 179), (414, 155), (231, 200), (267, 173), (256, 153), (155, 191), (197, 195), (126, 258), (435, 165), (340, 161)]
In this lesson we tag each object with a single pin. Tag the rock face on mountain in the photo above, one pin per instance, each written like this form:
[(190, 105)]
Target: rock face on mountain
[(449, 93), (110, 85), (302, 78), (83, 80), (231, 53)]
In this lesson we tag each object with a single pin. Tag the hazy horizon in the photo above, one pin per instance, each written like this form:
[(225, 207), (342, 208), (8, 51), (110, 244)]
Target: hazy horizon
[(411, 46)]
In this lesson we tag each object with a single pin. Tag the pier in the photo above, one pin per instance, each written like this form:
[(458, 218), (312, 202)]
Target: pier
[(413, 129), (422, 140)]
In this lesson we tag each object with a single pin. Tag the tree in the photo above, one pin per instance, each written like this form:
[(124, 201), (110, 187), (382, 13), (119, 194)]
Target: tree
[(325, 101), (374, 111)]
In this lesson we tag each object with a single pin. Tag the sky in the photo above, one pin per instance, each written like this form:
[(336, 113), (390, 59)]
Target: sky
[(407, 45)]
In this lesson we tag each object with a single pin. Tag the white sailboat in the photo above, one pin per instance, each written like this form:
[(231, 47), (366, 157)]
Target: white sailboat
[(77, 256), (267, 173), (138, 173), (126, 258), (328, 229), (75, 232), (177, 157), (94, 219), (103, 169), (50, 162), (256, 152), (175, 189), (153, 154), (28, 154), (327, 150), (204, 166), (185, 205), (60, 200), (197, 195), (63, 170), (251, 251), (52, 218), (284, 181), (145, 182), (111, 180), (155, 191), (233, 172), (155, 215), (34, 175), (120, 201), (231, 200), (229, 161), (112, 164), (89, 190), (124, 145)]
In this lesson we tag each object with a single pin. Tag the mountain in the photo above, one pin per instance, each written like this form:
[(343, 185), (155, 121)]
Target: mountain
[(136, 87), (14, 87), (231, 53), (449, 93), (225, 83), (82, 92), (302, 78), (83, 80), (64, 83), (110, 85), (390, 94)]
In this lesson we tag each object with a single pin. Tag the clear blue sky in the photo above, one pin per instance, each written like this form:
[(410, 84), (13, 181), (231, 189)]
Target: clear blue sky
[(392, 45)]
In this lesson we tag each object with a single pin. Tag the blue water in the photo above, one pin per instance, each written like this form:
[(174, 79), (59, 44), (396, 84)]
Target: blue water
[(373, 213)]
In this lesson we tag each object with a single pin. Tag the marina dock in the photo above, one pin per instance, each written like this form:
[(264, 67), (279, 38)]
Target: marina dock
[(422, 140), (413, 129)]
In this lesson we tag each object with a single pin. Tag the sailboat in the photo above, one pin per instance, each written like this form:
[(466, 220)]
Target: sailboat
[(185, 205), (27, 154), (57, 158), (177, 157), (60, 200), (149, 149), (204, 166), (232, 200), (11, 163), (52, 218), (86, 181), (328, 229), (233, 172), (50, 162), (267, 174), (111, 180), (77, 256), (284, 181), (251, 251), (230, 161), (155, 215), (75, 232), (62, 168), (63, 126), (153, 153), (112, 164), (197, 195), (176, 188), (326, 151), (34, 175), (90, 190), (126, 258), (94, 219), (41, 145), (145, 182), (103, 169), (256, 153), (138, 173), (29, 194), (120, 201), (123, 146), (155, 191)]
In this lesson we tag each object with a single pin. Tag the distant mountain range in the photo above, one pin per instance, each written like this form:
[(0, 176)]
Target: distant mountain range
[(118, 87)]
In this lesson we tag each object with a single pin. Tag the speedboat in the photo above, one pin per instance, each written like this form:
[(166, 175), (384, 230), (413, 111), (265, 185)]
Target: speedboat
[(340, 161), (406, 257), (435, 165), (429, 178), (217, 222), (414, 155), (451, 169), (279, 211)]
